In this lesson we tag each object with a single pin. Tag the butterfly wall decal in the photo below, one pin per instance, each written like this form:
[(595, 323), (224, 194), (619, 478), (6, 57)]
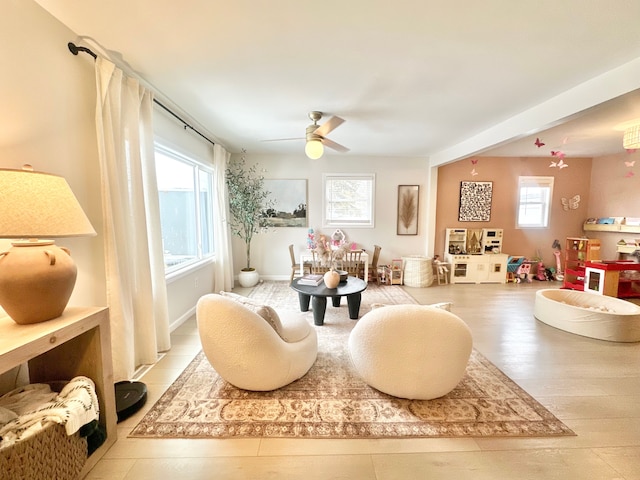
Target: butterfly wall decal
[(572, 203), (474, 173), (559, 164), (629, 174), (539, 143), (474, 161), (557, 153), (630, 164)]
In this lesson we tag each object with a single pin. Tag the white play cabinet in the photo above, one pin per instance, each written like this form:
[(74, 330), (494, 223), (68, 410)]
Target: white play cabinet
[(475, 255)]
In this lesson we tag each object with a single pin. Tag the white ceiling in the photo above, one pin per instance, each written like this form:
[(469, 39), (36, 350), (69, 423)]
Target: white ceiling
[(411, 78)]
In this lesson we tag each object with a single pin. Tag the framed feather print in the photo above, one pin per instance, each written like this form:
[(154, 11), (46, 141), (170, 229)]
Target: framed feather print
[(408, 196)]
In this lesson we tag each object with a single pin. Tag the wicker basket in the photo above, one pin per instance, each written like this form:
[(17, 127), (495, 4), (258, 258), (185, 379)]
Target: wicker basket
[(50, 454), (418, 271)]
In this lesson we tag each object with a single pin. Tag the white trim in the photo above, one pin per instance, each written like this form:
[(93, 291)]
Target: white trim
[(182, 318), (535, 181), (372, 200), (188, 269)]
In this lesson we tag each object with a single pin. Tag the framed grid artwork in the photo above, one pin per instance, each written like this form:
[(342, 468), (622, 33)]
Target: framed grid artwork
[(475, 201)]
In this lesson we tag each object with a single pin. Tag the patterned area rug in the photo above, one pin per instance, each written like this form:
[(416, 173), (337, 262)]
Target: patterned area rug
[(332, 402)]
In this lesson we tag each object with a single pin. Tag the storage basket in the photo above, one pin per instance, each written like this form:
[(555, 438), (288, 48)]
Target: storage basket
[(47, 455), (418, 271)]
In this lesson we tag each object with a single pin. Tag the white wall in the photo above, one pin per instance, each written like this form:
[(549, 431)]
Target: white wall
[(269, 251), (47, 120)]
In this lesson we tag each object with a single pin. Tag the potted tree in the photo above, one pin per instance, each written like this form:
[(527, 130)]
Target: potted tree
[(248, 200)]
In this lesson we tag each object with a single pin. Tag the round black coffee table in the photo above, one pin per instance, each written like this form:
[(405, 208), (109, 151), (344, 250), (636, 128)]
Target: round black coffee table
[(351, 289)]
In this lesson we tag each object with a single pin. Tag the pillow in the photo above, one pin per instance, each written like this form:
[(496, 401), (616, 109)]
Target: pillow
[(265, 311)]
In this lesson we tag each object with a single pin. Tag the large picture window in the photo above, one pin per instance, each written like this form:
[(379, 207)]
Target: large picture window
[(348, 200), (185, 193), (534, 201)]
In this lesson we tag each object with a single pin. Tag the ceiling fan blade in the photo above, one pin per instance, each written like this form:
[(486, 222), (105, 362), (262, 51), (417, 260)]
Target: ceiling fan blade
[(283, 139), (328, 126), (335, 146)]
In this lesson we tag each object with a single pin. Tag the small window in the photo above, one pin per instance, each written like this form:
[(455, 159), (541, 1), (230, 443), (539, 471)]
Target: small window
[(185, 194), (348, 200), (534, 201)]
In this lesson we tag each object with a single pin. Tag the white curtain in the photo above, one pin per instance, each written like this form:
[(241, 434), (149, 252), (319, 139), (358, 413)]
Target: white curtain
[(136, 289), (223, 273)]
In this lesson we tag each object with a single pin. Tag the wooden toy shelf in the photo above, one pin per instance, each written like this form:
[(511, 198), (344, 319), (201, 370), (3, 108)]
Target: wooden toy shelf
[(577, 252)]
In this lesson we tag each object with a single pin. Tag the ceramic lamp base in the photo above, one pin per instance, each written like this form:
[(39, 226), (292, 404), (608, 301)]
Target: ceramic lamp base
[(36, 281)]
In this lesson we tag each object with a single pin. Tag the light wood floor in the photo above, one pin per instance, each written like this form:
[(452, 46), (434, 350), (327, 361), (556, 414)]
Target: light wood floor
[(592, 386)]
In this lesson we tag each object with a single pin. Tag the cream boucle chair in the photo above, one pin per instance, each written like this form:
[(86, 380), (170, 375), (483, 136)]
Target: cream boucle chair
[(411, 351), (251, 346)]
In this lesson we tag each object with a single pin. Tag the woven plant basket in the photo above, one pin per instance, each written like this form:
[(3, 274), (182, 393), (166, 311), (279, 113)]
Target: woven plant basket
[(418, 271), (50, 454)]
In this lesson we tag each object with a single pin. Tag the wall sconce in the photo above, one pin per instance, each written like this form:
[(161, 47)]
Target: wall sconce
[(36, 276), (631, 139)]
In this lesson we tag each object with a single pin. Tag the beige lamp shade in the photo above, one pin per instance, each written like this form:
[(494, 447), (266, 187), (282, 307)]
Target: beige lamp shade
[(37, 277), (39, 205)]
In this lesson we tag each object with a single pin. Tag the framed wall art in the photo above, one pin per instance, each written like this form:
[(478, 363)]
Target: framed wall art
[(475, 201), (289, 203), (408, 196)]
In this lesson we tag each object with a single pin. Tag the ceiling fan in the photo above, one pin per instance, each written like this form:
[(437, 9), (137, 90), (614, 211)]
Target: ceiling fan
[(316, 136)]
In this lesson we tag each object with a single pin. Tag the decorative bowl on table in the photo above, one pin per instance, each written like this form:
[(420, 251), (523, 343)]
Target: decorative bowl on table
[(343, 275)]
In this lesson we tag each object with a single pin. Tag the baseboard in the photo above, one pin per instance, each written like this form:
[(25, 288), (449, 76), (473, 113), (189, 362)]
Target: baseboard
[(275, 278), (183, 318)]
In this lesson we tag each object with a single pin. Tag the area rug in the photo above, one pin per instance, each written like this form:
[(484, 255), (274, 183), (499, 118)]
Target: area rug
[(332, 402)]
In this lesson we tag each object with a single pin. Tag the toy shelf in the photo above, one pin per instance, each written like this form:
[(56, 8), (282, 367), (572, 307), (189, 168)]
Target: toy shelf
[(615, 227), (577, 252)]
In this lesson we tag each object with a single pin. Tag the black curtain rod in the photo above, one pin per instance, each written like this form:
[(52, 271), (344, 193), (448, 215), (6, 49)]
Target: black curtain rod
[(73, 48)]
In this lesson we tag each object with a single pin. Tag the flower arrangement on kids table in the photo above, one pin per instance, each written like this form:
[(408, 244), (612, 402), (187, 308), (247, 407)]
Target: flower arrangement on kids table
[(311, 239), (333, 249)]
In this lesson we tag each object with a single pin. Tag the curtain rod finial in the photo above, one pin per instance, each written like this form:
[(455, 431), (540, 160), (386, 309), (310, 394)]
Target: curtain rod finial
[(73, 48)]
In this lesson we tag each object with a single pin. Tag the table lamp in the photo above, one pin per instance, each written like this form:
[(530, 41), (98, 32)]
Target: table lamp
[(36, 276)]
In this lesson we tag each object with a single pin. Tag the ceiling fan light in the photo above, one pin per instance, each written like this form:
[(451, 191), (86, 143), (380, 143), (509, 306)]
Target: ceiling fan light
[(314, 149), (631, 139)]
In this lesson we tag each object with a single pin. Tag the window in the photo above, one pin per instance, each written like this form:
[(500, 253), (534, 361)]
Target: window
[(185, 193), (348, 200), (534, 201)]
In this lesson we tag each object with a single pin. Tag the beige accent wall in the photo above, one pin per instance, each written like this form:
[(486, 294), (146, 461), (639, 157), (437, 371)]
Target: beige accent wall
[(614, 193), (504, 173)]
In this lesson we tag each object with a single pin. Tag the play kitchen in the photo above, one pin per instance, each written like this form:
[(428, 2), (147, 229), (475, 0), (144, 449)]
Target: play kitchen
[(476, 255)]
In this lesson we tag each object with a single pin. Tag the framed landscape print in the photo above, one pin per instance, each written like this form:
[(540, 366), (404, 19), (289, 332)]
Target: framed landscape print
[(289, 203), (475, 201), (408, 196)]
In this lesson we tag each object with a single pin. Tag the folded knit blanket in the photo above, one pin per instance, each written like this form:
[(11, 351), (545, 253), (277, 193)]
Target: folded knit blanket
[(75, 406)]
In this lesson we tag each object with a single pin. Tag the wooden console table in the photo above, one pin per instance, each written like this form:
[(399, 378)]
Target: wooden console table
[(76, 343)]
